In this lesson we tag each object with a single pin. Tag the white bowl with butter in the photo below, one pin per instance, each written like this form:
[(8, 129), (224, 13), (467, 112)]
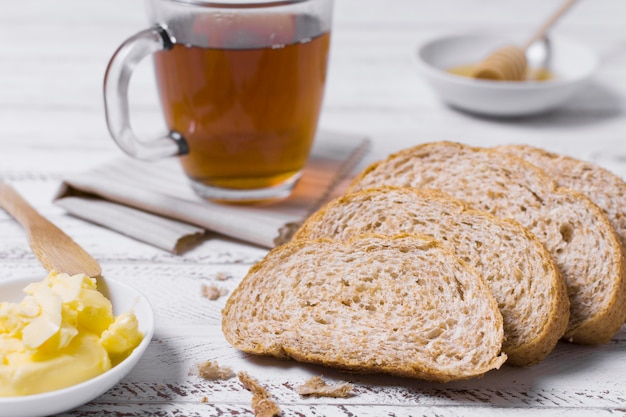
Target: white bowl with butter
[(571, 63), (124, 299)]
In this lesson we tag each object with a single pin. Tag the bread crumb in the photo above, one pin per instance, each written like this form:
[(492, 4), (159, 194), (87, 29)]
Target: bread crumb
[(222, 276), (262, 404), (213, 292), (204, 400), (317, 387), (211, 370)]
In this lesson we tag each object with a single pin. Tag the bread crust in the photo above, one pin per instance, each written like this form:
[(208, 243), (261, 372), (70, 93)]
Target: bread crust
[(372, 304), (511, 259), (603, 187), (588, 253)]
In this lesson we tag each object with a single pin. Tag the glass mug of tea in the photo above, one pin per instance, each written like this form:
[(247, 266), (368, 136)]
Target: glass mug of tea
[(241, 86)]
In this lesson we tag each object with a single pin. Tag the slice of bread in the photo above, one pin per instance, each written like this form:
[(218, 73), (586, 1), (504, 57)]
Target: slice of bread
[(527, 285), (603, 187), (401, 305), (574, 230)]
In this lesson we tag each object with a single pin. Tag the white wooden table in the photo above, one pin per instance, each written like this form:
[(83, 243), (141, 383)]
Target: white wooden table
[(52, 60)]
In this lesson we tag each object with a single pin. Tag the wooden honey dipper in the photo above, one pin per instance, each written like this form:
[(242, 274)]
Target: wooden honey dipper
[(509, 62)]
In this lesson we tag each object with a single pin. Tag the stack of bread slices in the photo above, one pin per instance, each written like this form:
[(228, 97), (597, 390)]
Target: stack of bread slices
[(442, 262)]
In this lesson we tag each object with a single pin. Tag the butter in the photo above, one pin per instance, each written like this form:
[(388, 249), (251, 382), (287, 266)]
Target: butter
[(62, 333)]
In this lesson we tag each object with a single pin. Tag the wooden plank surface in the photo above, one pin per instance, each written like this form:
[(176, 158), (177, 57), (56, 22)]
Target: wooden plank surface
[(52, 61)]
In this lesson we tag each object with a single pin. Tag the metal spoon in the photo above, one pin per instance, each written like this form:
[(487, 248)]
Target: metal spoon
[(54, 249)]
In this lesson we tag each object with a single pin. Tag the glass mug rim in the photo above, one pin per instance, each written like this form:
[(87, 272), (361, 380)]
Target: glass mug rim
[(237, 4)]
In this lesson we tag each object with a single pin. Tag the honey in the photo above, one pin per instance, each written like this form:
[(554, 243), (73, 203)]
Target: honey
[(532, 74)]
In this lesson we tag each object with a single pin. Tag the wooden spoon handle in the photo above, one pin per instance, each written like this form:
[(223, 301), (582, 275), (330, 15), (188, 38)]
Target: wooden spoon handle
[(52, 247), (540, 33), (16, 206)]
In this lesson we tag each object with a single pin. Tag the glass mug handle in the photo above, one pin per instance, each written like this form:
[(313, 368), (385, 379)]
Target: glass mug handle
[(116, 81)]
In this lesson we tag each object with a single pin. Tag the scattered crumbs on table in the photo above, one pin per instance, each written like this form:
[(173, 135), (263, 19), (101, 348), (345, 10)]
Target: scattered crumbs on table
[(317, 387), (213, 371), (262, 404), (213, 292)]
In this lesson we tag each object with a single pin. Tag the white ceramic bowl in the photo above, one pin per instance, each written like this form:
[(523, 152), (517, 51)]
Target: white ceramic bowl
[(572, 64), (124, 298)]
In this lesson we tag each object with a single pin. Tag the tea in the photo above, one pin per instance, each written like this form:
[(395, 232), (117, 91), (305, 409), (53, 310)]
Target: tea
[(249, 116)]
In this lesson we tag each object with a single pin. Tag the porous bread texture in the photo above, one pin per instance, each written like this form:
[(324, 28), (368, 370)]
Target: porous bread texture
[(603, 187), (524, 279), (401, 305), (574, 230)]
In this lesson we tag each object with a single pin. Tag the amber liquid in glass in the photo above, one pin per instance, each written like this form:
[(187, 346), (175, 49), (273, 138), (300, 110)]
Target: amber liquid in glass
[(249, 116)]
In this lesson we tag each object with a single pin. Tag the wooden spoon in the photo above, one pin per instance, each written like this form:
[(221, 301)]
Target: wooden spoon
[(509, 62), (54, 249)]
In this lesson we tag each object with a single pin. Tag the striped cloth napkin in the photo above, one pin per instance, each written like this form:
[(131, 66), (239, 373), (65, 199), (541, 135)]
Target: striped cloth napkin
[(153, 202)]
